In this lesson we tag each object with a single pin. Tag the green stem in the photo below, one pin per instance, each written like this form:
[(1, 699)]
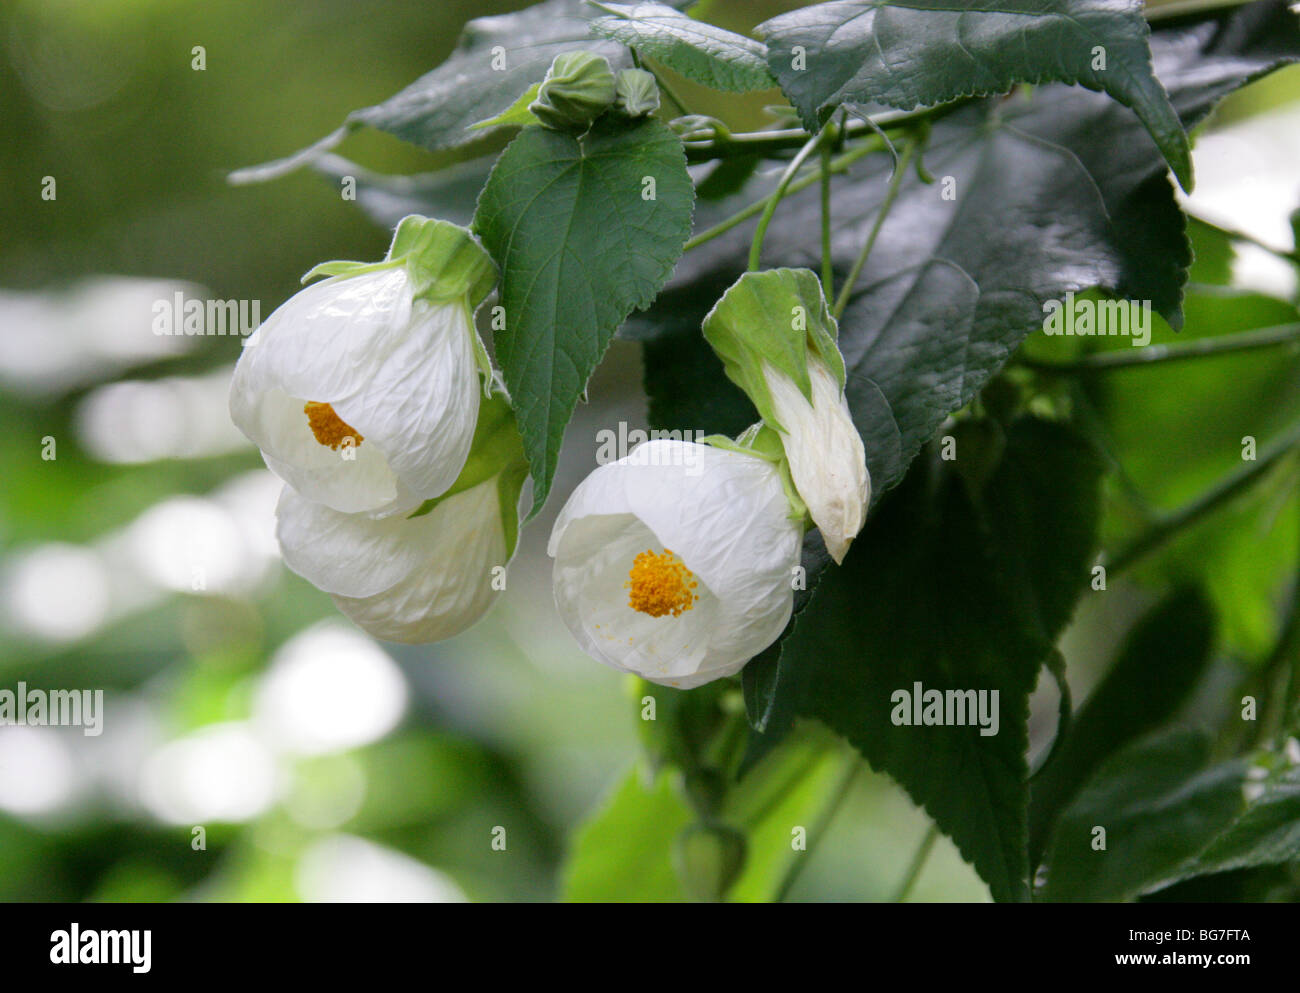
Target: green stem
[(918, 863), (828, 272), (765, 143), (1217, 496), (839, 165), (849, 769), (769, 208), (895, 184), (1243, 341), (1234, 235), (1181, 8)]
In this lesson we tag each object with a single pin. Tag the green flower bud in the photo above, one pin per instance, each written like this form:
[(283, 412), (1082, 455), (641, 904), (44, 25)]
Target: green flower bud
[(638, 93), (578, 88)]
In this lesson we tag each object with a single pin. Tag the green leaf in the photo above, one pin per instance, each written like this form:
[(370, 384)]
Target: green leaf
[(699, 51), (517, 114), (1170, 815), (623, 853), (495, 60), (1159, 803), (913, 53), (1161, 661), (579, 246), (957, 591)]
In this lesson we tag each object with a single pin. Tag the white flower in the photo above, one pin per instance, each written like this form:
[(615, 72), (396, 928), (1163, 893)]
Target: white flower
[(412, 580), (360, 396), (827, 461), (677, 561)]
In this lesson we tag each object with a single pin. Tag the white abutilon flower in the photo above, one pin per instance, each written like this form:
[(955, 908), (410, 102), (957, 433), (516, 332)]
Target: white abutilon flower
[(423, 577), (677, 561), (776, 338), (362, 391)]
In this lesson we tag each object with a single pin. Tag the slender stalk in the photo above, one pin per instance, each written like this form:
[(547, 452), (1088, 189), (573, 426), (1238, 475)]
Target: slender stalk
[(918, 863), (895, 183), (1243, 341), (1234, 235), (828, 271), (1180, 8), (769, 208), (835, 799), (1215, 497), (722, 227), (765, 143)]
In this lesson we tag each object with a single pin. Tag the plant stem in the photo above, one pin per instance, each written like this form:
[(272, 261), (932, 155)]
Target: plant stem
[(849, 769), (803, 182), (895, 183), (918, 863), (1181, 8), (783, 139), (769, 208), (1233, 235), (1243, 341), (828, 271), (1217, 496)]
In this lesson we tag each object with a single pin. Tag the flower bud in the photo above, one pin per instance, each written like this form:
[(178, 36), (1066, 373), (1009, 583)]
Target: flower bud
[(578, 88), (637, 93), (776, 338)]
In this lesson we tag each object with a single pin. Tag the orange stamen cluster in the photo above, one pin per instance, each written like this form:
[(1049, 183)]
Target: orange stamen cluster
[(660, 584), (330, 429)]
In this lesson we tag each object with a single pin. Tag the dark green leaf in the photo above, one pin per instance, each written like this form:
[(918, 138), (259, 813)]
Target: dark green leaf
[(496, 59), (699, 51), (957, 592), (1159, 665), (913, 53), (579, 246)]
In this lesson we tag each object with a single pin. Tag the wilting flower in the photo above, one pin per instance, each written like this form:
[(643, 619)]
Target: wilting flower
[(363, 390), (426, 576), (776, 338), (677, 562), (827, 461)]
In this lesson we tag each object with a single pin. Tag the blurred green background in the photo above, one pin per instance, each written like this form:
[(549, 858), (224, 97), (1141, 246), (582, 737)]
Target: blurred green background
[(140, 559)]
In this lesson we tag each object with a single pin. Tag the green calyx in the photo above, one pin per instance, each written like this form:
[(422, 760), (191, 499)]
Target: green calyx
[(637, 93), (445, 262), (761, 441), (496, 452), (578, 88), (779, 318)]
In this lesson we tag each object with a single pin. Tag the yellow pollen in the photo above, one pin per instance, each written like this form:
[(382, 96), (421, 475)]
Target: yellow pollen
[(330, 429), (660, 584)]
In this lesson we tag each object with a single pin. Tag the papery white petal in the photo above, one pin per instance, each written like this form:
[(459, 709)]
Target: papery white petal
[(827, 460), (421, 404), (724, 514), (411, 580), (329, 339)]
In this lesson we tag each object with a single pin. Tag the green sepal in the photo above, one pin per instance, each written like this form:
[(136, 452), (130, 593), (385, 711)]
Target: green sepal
[(778, 317), (578, 88), (445, 260), (496, 451), (637, 93), (517, 114), (761, 441)]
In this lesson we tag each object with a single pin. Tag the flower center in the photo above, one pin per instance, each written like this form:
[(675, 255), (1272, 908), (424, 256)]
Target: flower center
[(330, 429), (660, 584)]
